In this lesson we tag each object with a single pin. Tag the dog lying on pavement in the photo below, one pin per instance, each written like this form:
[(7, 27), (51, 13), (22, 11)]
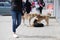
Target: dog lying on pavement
[(44, 17), (38, 16)]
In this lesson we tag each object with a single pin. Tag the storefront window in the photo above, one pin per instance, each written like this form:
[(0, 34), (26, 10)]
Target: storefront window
[(50, 4)]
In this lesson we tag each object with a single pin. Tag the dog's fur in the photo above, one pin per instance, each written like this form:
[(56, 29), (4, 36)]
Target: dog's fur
[(29, 17), (39, 17), (45, 17)]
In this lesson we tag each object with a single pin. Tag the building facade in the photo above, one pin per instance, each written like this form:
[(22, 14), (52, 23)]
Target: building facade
[(57, 10), (55, 3)]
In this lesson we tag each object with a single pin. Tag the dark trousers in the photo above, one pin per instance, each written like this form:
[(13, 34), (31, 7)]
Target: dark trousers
[(40, 9), (16, 19), (28, 10)]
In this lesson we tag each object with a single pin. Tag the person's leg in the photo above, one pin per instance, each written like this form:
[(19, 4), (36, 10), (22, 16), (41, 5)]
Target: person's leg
[(40, 10), (14, 23), (19, 15)]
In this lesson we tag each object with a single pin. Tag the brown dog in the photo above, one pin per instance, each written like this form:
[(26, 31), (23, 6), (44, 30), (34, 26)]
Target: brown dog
[(29, 17), (45, 17), (38, 16)]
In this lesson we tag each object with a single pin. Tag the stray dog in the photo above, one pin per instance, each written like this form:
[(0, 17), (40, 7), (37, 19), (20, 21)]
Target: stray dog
[(39, 17), (45, 17), (29, 17), (36, 24)]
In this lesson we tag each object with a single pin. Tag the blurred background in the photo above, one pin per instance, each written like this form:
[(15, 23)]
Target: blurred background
[(53, 5)]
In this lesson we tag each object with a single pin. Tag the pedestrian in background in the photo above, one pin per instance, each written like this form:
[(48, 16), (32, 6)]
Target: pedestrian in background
[(41, 5), (28, 7)]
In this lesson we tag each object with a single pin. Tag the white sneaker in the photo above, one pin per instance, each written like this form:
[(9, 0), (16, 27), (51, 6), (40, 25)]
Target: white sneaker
[(15, 35)]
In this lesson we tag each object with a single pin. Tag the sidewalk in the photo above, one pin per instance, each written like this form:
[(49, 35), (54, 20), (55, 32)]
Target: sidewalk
[(51, 32)]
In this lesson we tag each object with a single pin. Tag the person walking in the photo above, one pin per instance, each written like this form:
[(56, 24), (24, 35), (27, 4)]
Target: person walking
[(16, 13), (41, 5), (28, 7)]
